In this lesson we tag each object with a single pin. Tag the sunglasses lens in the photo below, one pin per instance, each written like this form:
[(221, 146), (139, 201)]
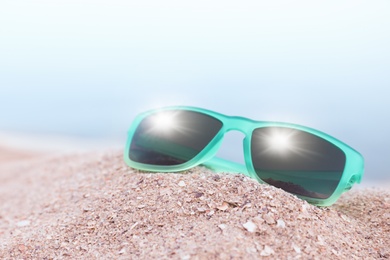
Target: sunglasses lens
[(172, 137), (297, 161)]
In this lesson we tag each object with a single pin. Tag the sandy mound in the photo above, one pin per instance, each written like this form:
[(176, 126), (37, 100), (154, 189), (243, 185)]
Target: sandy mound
[(94, 206)]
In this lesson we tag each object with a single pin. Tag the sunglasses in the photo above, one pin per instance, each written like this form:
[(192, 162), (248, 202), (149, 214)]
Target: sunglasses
[(300, 160)]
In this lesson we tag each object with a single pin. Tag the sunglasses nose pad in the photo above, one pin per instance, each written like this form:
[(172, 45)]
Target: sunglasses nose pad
[(214, 149)]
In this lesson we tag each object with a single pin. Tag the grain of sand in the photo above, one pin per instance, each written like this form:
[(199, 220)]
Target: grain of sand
[(93, 206)]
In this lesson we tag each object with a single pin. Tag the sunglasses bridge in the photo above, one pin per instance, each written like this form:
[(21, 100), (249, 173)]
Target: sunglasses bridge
[(232, 124)]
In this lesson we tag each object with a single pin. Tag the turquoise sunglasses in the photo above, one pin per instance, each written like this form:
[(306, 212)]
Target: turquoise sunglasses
[(300, 160)]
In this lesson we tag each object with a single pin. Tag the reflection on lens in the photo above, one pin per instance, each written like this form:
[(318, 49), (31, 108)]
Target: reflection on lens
[(279, 142), (297, 161), (172, 137)]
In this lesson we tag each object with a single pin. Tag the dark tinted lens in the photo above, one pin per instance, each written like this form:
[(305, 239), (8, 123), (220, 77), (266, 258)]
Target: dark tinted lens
[(297, 161), (172, 137)]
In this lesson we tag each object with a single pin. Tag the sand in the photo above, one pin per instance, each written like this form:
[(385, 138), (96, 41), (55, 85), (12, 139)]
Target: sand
[(91, 205)]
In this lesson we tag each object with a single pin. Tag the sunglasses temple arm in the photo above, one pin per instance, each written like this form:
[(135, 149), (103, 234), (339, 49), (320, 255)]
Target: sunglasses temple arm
[(221, 165)]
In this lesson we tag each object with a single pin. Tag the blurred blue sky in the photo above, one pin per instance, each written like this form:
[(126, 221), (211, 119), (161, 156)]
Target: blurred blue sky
[(87, 68)]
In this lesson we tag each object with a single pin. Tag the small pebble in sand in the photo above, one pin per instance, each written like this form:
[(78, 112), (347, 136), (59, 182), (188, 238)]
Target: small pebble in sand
[(23, 223), (250, 226), (280, 223), (267, 251)]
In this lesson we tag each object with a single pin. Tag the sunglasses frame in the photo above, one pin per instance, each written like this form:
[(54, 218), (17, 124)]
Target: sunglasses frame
[(353, 170)]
